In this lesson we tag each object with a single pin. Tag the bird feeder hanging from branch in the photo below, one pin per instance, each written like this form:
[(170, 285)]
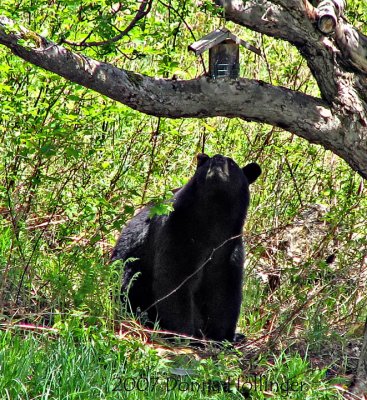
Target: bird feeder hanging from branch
[(224, 52)]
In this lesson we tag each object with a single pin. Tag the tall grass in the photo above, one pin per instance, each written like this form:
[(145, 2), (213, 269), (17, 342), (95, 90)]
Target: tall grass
[(92, 363)]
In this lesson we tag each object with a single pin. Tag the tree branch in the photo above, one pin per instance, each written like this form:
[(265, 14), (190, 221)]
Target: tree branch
[(329, 12), (353, 46), (252, 100), (292, 21), (273, 18), (248, 99), (143, 10)]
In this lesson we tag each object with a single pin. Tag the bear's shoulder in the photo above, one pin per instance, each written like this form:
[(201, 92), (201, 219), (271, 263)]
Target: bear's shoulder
[(134, 236)]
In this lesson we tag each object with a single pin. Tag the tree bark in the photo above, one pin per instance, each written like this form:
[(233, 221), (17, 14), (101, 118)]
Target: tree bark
[(337, 121), (322, 121)]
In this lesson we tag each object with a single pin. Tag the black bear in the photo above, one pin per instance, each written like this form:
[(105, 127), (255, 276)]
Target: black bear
[(189, 263)]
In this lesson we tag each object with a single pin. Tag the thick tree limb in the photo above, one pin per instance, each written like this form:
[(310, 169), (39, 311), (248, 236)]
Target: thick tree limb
[(248, 99), (353, 46), (294, 21), (351, 42), (314, 119), (329, 12), (268, 17)]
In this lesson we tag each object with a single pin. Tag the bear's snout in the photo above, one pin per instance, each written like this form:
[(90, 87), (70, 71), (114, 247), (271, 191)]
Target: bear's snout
[(218, 167)]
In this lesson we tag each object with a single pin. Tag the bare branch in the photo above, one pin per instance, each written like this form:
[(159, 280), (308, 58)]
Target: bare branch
[(203, 265), (144, 9)]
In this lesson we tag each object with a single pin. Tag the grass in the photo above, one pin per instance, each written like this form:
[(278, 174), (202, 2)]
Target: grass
[(93, 363)]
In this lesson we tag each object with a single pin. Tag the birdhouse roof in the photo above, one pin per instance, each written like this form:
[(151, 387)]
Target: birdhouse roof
[(216, 37)]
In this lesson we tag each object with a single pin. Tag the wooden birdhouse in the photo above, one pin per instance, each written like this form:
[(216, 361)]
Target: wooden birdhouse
[(224, 52)]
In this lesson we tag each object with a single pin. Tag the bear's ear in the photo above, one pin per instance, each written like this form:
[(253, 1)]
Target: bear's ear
[(201, 158), (252, 172)]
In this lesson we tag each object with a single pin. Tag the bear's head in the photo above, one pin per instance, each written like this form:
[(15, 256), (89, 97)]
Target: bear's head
[(219, 173)]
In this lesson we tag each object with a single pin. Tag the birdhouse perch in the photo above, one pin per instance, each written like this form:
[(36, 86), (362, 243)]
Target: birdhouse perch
[(224, 53)]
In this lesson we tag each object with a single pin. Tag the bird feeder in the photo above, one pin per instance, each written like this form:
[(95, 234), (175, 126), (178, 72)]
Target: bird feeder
[(224, 52)]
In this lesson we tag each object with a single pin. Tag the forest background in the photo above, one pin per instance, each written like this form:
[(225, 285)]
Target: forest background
[(75, 166)]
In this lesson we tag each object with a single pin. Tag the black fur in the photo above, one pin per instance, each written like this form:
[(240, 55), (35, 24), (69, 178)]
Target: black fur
[(200, 239)]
